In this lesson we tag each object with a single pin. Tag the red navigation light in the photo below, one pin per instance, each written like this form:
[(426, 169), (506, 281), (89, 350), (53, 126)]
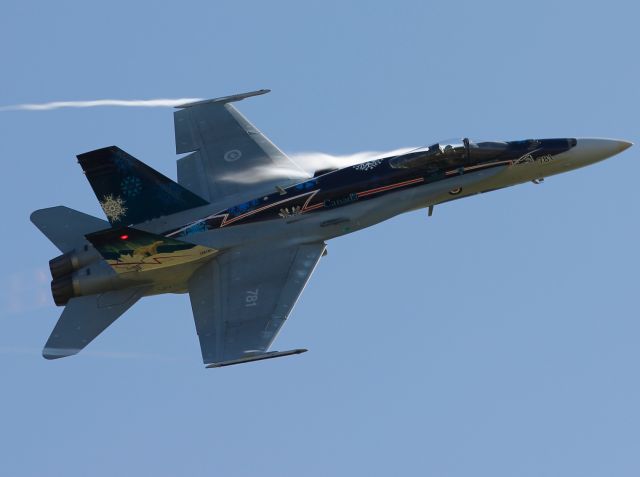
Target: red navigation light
[(124, 237)]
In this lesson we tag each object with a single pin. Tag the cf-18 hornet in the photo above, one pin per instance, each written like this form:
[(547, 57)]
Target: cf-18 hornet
[(243, 228)]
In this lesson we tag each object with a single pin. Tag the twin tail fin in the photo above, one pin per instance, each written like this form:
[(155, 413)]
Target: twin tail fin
[(129, 191)]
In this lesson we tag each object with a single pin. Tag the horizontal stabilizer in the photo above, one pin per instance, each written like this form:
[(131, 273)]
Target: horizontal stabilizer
[(127, 249), (257, 357), (66, 227), (85, 317)]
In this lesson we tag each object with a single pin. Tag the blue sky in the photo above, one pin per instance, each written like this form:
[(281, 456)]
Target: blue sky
[(498, 337)]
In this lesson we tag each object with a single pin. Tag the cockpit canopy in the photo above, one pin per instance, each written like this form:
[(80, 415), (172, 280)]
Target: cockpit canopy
[(456, 152)]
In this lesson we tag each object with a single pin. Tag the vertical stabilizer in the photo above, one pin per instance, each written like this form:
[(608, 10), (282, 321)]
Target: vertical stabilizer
[(129, 191)]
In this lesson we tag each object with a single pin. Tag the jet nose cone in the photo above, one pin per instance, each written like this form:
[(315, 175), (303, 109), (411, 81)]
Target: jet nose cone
[(590, 150), (623, 145), (605, 147)]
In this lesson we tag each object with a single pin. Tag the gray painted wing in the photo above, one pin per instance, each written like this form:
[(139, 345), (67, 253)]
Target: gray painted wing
[(241, 299), (230, 156), (66, 227), (85, 317)]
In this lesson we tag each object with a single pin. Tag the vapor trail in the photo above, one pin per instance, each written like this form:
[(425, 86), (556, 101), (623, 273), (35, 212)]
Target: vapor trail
[(312, 161), (308, 163), (131, 103)]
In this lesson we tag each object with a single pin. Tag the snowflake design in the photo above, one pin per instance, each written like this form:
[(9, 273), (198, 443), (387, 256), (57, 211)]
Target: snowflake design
[(367, 166), (122, 164), (113, 207), (131, 186), (289, 212)]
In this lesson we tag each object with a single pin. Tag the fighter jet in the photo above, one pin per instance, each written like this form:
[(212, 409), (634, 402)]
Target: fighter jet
[(243, 228)]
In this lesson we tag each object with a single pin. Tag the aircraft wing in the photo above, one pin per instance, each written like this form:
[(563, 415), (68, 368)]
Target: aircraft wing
[(230, 156), (241, 299)]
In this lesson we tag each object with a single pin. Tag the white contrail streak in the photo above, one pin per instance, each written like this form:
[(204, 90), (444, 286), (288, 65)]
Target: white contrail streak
[(308, 163), (131, 103), (312, 161)]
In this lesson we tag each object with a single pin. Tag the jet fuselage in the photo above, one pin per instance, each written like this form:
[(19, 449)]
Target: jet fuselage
[(345, 200), (354, 197), (239, 233), (119, 265)]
